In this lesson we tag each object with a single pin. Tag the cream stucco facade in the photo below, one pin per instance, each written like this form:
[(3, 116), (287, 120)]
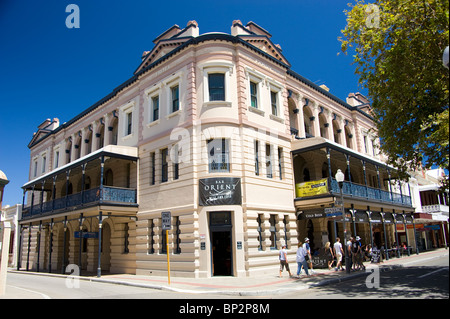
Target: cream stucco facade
[(224, 109)]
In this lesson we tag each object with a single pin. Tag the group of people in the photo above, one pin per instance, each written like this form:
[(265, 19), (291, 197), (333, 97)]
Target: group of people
[(303, 259), (334, 254)]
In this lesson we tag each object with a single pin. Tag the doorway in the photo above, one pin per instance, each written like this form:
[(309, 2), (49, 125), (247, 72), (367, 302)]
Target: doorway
[(221, 247)]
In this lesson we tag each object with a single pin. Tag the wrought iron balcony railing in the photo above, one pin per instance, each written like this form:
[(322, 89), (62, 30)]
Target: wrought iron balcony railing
[(366, 192), (90, 197)]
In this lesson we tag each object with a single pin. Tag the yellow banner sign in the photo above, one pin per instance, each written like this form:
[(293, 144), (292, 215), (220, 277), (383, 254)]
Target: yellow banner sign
[(311, 188)]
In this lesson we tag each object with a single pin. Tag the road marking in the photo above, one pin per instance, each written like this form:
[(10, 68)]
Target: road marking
[(433, 272), (32, 291)]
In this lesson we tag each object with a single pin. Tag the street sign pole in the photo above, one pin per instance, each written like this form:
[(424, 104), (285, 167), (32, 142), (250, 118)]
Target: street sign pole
[(166, 225), (168, 258)]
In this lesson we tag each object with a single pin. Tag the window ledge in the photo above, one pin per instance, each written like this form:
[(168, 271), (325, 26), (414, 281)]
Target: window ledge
[(256, 110), (153, 123), (276, 118), (217, 103), (173, 114)]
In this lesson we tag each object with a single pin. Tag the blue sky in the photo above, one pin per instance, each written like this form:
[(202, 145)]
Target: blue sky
[(48, 70)]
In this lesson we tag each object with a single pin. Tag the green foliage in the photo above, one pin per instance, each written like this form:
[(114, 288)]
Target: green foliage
[(398, 46)]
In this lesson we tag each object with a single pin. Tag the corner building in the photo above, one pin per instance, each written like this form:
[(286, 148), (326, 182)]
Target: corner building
[(215, 129)]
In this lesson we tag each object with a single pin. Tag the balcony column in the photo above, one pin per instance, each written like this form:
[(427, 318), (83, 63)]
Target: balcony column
[(406, 232), (329, 167), (54, 193), (401, 192), (80, 244), (390, 186), (42, 196), (396, 232), (95, 136), (73, 148), (51, 247), (99, 261), (315, 121), (300, 119), (342, 137), (107, 131), (83, 181), (67, 186), (347, 157), (102, 169), (365, 177), (23, 197), (19, 248), (32, 200), (384, 233), (369, 213), (63, 270), (39, 245), (29, 244), (83, 143), (329, 128)]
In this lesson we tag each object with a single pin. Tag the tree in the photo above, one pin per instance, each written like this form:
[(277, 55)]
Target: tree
[(398, 46)]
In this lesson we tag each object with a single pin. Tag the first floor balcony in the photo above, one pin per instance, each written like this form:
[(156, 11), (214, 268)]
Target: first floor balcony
[(316, 161), (106, 177)]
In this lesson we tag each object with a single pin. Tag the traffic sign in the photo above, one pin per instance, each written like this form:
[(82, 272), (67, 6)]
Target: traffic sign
[(166, 220)]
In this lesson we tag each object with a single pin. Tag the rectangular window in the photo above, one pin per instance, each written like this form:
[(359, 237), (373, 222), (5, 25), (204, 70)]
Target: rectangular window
[(151, 234), (177, 236), (254, 94), (44, 163), (176, 165), (129, 126), (163, 242), (57, 159), (280, 162), (164, 166), (273, 231), (259, 229), (273, 101), (35, 168), (268, 161), (126, 241), (175, 98), (257, 158), (155, 108), (218, 155), (285, 223), (152, 168), (216, 84)]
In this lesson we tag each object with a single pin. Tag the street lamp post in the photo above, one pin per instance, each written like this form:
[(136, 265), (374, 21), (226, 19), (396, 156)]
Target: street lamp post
[(340, 179)]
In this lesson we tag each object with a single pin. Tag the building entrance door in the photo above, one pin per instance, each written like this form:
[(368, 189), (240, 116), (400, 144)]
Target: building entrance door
[(221, 248)]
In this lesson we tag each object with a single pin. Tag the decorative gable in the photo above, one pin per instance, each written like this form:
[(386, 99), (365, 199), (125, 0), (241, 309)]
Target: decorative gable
[(169, 40)]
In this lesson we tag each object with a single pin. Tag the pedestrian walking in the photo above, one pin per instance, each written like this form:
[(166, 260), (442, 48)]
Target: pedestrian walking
[(329, 255), (348, 247), (284, 261), (338, 252), (309, 257), (360, 254), (301, 260), (355, 253)]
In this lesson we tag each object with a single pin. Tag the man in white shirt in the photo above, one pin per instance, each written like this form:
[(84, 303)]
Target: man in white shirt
[(338, 253)]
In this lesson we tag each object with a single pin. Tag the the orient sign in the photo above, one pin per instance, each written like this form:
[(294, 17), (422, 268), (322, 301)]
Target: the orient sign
[(220, 191)]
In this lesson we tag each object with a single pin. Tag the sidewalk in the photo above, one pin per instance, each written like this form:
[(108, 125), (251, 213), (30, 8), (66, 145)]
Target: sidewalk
[(255, 286)]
